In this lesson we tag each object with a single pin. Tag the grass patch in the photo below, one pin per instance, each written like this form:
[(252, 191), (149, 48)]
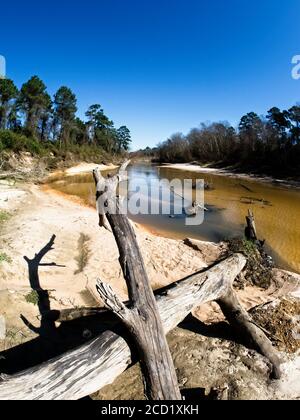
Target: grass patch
[(83, 253), (5, 258), (4, 216), (32, 297), (242, 245)]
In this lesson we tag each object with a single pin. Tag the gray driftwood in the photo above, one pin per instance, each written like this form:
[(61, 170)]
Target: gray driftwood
[(87, 369), (250, 231), (241, 320), (142, 319)]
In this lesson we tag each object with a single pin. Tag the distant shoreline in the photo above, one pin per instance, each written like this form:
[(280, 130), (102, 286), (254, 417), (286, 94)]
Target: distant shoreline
[(225, 172)]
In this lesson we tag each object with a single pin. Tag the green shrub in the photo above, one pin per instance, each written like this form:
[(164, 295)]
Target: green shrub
[(5, 258), (4, 216), (32, 297), (18, 142), (244, 246)]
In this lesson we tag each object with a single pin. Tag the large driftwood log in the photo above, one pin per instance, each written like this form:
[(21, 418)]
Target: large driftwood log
[(142, 318), (87, 369), (241, 320)]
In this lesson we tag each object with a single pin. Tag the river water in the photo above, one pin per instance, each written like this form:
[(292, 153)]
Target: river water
[(276, 209)]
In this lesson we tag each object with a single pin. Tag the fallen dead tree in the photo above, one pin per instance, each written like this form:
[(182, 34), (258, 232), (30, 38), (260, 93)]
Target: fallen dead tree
[(142, 319), (89, 368)]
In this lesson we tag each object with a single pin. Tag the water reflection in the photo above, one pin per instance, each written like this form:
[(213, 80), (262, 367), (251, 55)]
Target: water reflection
[(276, 209)]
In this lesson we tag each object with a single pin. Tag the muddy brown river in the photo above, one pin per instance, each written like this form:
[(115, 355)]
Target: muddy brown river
[(276, 209)]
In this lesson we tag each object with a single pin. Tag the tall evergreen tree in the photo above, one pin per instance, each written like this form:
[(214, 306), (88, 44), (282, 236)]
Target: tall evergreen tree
[(45, 118), (250, 123), (279, 121), (8, 94), (79, 132), (250, 130), (65, 108), (294, 116), (101, 128), (32, 101), (99, 124), (123, 138)]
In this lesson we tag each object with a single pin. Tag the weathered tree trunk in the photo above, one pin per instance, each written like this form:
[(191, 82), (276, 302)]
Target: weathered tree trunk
[(87, 369), (242, 322), (250, 231), (142, 319)]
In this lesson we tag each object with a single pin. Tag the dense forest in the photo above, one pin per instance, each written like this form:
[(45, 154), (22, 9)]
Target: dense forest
[(269, 144), (33, 121)]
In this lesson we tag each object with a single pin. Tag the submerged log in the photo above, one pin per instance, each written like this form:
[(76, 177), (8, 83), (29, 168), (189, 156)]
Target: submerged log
[(246, 187), (194, 209), (191, 210), (89, 368), (208, 186), (253, 200)]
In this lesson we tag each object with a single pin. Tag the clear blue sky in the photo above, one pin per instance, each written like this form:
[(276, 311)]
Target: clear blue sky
[(158, 66)]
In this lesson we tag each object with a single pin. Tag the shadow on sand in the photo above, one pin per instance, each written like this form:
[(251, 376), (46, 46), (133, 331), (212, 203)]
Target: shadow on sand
[(52, 341)]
